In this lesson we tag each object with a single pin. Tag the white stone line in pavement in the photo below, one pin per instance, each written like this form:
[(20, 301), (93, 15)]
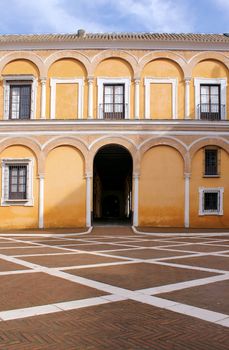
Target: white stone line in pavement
[(178, 234), (16, 272), (46, 254), (183, 285), (182, 266), (78, 267), (57, 307), (46, 234)]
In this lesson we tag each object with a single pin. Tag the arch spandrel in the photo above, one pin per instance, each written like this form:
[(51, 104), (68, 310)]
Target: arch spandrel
[(213, 141), (28, 56), (203, 56)]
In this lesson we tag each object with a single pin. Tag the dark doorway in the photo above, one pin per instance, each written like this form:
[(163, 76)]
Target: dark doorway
[(112, 185)]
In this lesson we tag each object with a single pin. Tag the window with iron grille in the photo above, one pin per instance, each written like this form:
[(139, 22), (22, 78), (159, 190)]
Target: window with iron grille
[(17, 182), (210, 108), (211, 201), (211, 162), (20, 101), (113, 101)]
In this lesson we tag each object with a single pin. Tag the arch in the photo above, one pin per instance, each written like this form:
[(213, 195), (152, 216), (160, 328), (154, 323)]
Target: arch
[(170, 142), (30, 144), (67, 54), (24, 55), (67, 141), (116, 140), (208, 141), (206, 56), (152, 56), (126, 56)]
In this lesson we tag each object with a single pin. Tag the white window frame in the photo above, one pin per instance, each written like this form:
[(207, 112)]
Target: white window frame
[(122, 80), (6, 90), (5, 163), (80, 102), (151, 80), (223, 93), (219, 191)]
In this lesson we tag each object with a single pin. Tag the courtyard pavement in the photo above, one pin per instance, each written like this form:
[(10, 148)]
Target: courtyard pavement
[(114, 289)]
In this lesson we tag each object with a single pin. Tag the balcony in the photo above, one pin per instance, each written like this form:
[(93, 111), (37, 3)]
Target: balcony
[(113, 111), (211, 111)]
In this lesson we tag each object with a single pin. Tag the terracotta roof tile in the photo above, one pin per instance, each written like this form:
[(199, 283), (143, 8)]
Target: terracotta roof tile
[(202, 38)]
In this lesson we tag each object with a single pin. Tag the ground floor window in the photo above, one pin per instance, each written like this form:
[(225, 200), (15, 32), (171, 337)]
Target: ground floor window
[(211, 201), (17, 182)]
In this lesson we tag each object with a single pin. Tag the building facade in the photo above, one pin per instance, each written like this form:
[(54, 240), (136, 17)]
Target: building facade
[(114, 126)]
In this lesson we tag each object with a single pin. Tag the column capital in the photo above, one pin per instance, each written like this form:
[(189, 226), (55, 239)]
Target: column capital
[(187, 80), (187, 175), (43, 80), (88, 175), (137, 80), (90, 79), (136, 176), (41, 176)]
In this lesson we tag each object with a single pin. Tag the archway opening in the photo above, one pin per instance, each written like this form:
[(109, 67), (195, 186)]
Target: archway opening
[(112, 185)]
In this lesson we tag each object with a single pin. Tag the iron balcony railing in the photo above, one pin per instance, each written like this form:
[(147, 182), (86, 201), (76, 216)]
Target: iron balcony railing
[(113, 111), (211, 111)]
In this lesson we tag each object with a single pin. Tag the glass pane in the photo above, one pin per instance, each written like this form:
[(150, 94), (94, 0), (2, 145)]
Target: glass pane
[(21, 188), (108, 99), (108, 89), (214, 90), (119, 90), (13, 188), (118, 98)]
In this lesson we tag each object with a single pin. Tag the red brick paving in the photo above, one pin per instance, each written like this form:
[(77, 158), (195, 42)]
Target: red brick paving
[(32, 289), (139, 275), (146, 253), (208, 261), (9, 266), (125, 325)]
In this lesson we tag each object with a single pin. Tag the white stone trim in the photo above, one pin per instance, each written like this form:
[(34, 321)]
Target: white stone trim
[(151, 80), (79, 81), (43, 98), (41, 201), (186, 200), (88, 200), (136, 98), (136, 199), (220, 191), (90, 97), (223, 92), (6, 93), (5, 162), (187, 98), (104, 80)]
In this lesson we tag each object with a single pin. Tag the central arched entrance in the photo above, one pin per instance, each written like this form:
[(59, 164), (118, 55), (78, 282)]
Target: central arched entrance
[(112, 185)]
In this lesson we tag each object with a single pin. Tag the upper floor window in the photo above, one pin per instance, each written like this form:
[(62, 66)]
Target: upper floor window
[(19, 97), (211, 162), (210, 98), (114, 101), (20, 101), (210, 105)]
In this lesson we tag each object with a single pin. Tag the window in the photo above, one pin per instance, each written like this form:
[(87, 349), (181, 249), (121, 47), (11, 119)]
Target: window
[(113, 98), (211, 201), (211, 163), (19, 97), (113, 101), (210, 107), (20, 101), (17, 175)]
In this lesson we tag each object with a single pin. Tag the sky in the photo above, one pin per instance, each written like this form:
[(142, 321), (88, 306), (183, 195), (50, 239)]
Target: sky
[(67, 16)]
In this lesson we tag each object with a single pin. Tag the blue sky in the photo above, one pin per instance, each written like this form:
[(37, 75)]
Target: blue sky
[(66, 16)]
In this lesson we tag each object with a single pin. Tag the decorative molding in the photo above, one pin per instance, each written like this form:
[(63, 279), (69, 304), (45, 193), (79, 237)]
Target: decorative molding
[(79, 81), (219, 191), (151, 80)]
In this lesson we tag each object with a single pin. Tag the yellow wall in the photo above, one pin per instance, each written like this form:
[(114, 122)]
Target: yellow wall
[(163, 68), (197, 180), (66, 101), (21, 67), (65, 199), (161, 188), (12, 217), (161, 101), (66, 68)]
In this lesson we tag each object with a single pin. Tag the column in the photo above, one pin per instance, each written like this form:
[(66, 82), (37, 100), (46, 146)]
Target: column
[(187, 199), (88, 200), (187, 98), (90, 97), (136, 98), (41, 200), (136, 190), (43, 98)]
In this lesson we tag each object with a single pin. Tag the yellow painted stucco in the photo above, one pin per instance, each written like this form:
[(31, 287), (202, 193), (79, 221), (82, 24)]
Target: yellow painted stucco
[(198, 180), (162, 93), (19, 216), (66, 101), (161, 188), (64, 188)]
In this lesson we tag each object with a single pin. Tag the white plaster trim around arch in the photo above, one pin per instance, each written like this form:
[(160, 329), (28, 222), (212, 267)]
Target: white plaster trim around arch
[(107, 80), (169, 138), (56, 138), (79, 81), (151, 80), (109, 138), (217, 138), (223, 93)]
